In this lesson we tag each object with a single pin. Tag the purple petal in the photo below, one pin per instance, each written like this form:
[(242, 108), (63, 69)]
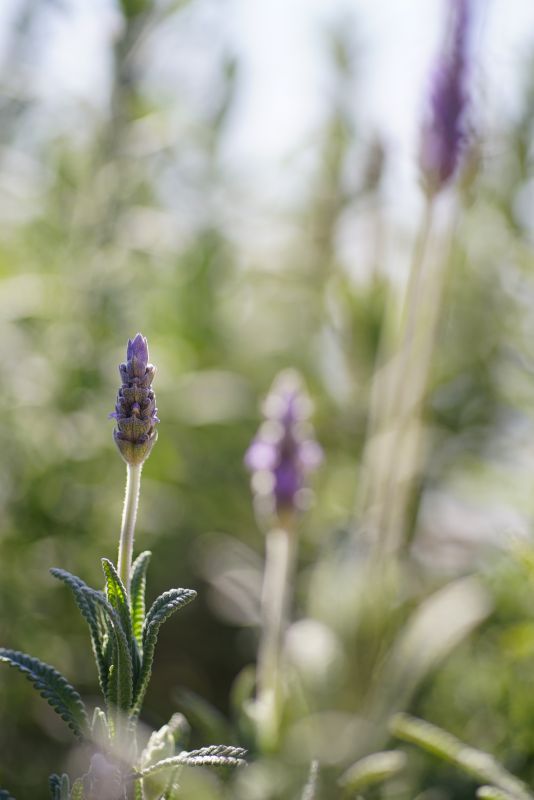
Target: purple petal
[(287, 483)]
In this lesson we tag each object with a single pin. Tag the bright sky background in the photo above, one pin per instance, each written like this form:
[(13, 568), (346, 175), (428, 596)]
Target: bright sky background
[(284, 84)]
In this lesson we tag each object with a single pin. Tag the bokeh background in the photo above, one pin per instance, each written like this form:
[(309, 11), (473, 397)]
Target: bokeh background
[(238, 180)]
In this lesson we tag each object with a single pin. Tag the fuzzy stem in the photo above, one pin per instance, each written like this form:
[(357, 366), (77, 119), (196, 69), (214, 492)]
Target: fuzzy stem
[(279, 560), (129, 515)]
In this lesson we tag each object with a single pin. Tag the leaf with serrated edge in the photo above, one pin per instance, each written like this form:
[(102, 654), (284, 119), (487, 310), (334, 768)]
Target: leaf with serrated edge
[(161, 609), (137, 594), (482, 766), (121, 676), (116, 595), (118, 599), (95, 621), (219, 755), (51, 685)]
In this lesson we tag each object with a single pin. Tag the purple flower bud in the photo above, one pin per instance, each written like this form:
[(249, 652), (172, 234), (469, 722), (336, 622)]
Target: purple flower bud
[(443, 134), (283, 451), (135, 411)]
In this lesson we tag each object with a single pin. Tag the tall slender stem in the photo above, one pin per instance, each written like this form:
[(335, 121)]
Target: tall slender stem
[(391, 398), (279, 560), (129, 516)]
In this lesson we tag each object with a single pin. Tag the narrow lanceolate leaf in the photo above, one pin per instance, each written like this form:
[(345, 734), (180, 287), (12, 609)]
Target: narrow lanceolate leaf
[(162, 608), (137, 594), (120, 678), (310, 790), (373, 769), (118, 599), (116, 594), (95, 620), (492, 793), (481, 766), (59, 787), (161, 745), (54, 783), (219, 755), (51, 685), (78, 792)]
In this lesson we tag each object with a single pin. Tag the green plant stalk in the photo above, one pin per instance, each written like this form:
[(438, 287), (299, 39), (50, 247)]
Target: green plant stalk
[(279, 562), (129, 516), (392, 396)]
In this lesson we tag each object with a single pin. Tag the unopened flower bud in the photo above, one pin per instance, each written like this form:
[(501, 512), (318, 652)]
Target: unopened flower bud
[(135, 411)]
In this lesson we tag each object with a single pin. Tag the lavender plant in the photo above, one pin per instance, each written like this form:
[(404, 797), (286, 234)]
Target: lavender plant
[(123, 637), (283, 452)]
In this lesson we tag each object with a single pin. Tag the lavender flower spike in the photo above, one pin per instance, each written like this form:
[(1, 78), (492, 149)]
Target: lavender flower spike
[(135, 411), (444, 130), (283, 451)]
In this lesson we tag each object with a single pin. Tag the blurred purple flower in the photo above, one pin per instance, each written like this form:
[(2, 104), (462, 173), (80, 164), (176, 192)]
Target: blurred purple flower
[(135, 411), (284, 450), (443, 133)]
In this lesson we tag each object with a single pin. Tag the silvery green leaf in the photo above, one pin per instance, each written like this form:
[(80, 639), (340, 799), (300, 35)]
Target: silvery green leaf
[(118, 600), (161, 745), (51, 685), (218, 755), (481, 766), (137, 594), (493, 793), (373, 769), (98, 628), (162, 608), (120, 677)]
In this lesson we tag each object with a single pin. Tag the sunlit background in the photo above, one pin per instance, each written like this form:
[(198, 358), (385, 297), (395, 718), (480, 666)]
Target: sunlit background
[(239, 180)]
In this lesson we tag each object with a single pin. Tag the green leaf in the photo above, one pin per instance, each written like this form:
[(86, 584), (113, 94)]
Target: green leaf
[(118, 599), (78, 792), (51, 685), (137, 594), (100, 734), (310, 790), (162, 745), (116, 595), (59, 787), (97, 626), (373, 769), (492, 793), (481, 766), (217, 755), (54, 783), (162, 608), (120, 677)]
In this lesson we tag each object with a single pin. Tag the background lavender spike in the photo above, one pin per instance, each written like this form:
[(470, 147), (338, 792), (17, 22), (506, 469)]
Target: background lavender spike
[(284, 451), (443, 134), (135, 410)]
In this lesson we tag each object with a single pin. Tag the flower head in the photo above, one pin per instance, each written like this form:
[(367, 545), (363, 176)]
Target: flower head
[(444, 133), (283, 451), (135, 410)]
